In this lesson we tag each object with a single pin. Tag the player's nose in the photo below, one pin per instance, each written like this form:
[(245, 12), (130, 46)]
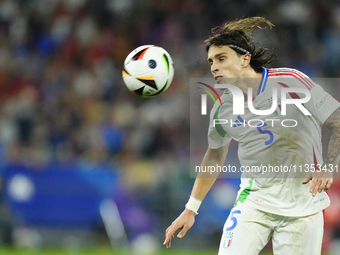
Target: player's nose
[(213, 68)]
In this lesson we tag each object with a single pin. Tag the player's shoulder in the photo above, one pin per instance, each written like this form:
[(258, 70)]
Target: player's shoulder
[(288, 75), (286, 72)]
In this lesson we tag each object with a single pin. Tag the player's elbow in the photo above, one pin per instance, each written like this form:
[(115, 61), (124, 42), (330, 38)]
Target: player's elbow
[(217, 154)]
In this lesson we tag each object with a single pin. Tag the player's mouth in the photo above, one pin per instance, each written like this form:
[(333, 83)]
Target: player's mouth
[(218, 78)]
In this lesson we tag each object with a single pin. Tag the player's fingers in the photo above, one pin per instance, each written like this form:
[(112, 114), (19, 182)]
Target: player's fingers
[(168, 245), (167, 241), (322, 186), (307, 179), (326, 184), (168, 235), (170, 232), (329, 183), (170, 227), (314, 187), (184, 231)]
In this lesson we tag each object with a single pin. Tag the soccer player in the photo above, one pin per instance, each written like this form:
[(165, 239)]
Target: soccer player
[(286, 208)]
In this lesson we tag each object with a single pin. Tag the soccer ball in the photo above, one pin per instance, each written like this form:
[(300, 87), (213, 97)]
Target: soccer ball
[(148, 71)]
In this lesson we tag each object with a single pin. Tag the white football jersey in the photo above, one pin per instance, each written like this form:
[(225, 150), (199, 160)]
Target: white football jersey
[(276, 151)]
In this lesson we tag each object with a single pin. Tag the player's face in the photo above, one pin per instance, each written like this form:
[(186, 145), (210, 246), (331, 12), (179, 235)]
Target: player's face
[(225, 64)]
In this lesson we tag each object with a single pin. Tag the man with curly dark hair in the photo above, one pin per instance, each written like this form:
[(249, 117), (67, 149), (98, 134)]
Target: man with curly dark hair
[(285, 207)]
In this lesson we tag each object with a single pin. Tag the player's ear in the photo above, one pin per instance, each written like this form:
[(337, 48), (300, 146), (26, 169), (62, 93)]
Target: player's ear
[(246, 59)]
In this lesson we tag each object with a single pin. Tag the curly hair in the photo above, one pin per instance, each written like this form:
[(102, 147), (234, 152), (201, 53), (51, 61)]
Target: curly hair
[(236, 35)]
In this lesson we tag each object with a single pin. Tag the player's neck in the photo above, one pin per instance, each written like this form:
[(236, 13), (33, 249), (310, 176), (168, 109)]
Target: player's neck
[(249, 79)]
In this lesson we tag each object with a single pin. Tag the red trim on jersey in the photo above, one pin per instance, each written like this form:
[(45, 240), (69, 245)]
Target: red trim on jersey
[(292, 94), (292, 72), (289, 72), (315, 160)]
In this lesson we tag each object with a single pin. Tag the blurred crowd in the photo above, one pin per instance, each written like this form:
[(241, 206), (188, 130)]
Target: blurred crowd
[(62, 98)]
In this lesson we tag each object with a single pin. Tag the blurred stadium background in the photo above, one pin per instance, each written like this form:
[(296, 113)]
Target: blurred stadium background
[(85, 164)]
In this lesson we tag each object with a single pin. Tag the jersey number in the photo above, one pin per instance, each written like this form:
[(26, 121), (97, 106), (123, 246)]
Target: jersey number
[(233, 219), (271, 138)]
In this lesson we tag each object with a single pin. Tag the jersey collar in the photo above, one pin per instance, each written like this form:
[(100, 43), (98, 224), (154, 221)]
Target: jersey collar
[(263, 82)]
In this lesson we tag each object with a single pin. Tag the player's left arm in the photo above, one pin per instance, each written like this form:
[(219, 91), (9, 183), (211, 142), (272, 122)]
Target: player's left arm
[(322, 181), (333, 124)]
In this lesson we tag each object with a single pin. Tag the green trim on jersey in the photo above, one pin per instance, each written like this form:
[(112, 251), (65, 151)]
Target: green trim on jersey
[(245, 193), (219, 127)]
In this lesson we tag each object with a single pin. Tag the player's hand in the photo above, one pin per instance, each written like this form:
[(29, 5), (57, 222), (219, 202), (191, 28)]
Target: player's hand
[(184, 222), (320, 181)]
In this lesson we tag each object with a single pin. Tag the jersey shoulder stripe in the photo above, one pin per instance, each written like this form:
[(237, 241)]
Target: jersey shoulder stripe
[(292, 94), (288, 72), (263, 82)]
